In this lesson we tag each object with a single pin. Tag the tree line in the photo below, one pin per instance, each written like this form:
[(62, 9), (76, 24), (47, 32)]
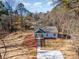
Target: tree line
[(8, 15)]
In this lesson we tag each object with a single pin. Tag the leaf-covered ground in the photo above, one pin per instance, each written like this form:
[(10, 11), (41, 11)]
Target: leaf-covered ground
[(22, 45)]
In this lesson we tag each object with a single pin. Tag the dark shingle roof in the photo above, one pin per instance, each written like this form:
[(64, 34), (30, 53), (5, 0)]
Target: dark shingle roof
[(39, 30), (49, 29)]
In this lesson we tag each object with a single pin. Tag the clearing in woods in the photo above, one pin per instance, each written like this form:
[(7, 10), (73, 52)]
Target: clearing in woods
[(22, 45)]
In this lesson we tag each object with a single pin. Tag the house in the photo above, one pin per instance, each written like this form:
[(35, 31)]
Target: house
[(43, 33), (39, 34), (51, 32), (48, 32)]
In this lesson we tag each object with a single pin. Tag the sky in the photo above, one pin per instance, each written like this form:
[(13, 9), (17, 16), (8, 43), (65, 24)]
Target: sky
[(34, 6)]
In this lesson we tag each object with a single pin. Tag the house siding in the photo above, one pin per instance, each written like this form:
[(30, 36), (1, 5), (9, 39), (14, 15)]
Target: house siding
[(51, 35), (45, 35), (39, 35)]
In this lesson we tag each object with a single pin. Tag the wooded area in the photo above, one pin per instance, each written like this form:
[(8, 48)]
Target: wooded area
[(15, 26), (22, 19)]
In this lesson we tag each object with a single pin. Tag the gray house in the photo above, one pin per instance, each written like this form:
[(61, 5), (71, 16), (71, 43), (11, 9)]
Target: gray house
[(51, 32), (48, 32)]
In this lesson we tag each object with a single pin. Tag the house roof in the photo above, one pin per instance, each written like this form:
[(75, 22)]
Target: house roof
[(39, 30), (49, 29)]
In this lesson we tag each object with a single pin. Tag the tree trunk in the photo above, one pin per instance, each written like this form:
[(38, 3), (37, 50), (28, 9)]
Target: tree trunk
[(0, 56)]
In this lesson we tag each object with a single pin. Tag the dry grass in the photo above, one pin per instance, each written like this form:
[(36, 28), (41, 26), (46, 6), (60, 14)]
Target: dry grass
[(21, 45)]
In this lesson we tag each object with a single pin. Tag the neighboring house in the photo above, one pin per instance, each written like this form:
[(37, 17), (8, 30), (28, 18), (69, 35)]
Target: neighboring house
[(48, 32)]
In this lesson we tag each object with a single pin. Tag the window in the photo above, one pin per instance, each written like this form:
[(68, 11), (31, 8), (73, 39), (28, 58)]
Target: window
[(54, 35)]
